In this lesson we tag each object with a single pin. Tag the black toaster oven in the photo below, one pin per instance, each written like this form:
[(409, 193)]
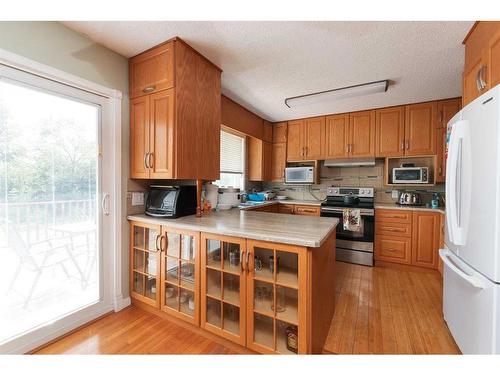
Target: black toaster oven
[(171, 201)]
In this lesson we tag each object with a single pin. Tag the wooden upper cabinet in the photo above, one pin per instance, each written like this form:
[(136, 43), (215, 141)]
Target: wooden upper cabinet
[(495, 59), (447, 109), (259, 155), (267, 131), (426, 234), (440, 171), (279, 132), (278, 162), (482, 59), (161, 130), (314, 140), (267, 161), (337, 136), (420, 129), (362, 134), (294, 141), (390, 131), (174, 131), (474, 78), (152, 70), (139, 137)]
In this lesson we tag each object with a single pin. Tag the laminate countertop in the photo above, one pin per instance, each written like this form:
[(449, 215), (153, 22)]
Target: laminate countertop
[(393, 206), (255, 204), (307, 231)]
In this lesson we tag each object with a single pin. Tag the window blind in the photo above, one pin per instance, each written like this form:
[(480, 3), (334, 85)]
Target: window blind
[(231, 153)]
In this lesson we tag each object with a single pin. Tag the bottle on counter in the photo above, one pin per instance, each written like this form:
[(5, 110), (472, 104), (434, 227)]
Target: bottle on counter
[(435, 200)]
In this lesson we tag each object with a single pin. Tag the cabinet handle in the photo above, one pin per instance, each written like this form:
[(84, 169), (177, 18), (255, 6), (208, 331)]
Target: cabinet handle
[(440, 171), (407, 144), (392, 250), (480, 80), (242, 255), (402, 145), (246, 265), (394, 230), (156, 242), (307, 151), (146, 160), (440, 117), (148, 89), (151, 160)]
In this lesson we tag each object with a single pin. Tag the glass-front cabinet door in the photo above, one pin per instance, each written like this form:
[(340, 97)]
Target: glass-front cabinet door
[(276, 302), (223, 288), (180, 274), (145, 263)]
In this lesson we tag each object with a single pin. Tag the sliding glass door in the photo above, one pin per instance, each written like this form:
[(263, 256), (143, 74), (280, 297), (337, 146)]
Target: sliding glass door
[(50, 205)]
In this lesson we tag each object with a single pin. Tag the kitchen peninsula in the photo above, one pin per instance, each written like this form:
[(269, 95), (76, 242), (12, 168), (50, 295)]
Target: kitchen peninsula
[(263, 280)]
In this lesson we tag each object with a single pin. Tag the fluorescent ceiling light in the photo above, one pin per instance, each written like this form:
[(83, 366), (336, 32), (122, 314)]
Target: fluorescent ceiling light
[(337, 94)]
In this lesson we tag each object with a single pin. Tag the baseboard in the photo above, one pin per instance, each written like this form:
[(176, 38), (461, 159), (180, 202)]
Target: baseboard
[(121, 303)]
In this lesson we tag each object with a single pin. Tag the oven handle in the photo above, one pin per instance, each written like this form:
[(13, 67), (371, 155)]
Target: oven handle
[(364, 212)]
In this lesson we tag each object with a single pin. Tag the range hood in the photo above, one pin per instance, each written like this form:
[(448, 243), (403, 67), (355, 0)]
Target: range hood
[(360, 162)]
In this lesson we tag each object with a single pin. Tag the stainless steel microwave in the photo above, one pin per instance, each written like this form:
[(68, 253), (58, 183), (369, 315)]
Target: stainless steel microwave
[(299, 175), (410, 175)]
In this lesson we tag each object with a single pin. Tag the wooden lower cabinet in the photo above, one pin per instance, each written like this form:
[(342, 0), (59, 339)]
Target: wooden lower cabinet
[(180, 276), (269, 297), (145, 263), (286, 209), (408, 237), (425, 239), (223, 281), (258, 294), (164, 270), (276, 298), (306, 210), (393, 249)]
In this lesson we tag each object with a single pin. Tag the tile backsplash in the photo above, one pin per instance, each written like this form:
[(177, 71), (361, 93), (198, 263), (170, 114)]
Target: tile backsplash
[(350, 176)]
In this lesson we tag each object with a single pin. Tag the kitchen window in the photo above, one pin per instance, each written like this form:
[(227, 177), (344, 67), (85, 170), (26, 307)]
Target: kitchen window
[(232, 160)]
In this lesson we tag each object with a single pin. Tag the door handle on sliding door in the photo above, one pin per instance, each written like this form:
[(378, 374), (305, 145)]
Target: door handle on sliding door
[(105, 204)]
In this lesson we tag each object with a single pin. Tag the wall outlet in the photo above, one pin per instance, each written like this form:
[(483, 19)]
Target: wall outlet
[(137, 199), (395, 194)]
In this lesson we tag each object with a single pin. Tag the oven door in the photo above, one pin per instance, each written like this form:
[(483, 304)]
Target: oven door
[(367, 227)]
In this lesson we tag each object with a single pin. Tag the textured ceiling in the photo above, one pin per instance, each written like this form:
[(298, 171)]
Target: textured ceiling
[(265, 62)]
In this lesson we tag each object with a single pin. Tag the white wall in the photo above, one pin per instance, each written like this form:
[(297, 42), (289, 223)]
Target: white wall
[(53, 44)]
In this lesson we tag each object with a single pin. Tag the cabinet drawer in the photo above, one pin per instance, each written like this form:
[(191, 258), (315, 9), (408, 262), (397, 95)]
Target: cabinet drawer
[(286, 208), (393, 229), (393, 216), (393, 249), (307, 210), (152, 71)]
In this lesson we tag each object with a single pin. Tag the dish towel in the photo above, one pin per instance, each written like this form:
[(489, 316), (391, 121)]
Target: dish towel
[(352, 219)]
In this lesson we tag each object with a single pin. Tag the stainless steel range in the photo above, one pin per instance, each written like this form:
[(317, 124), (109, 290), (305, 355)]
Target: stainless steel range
[(353, 245)]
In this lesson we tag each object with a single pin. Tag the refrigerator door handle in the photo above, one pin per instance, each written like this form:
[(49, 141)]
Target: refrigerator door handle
[(455, 179), (474, 281)]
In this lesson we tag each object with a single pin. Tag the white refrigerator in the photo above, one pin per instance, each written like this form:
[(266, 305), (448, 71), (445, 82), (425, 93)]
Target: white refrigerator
[(471, 287)]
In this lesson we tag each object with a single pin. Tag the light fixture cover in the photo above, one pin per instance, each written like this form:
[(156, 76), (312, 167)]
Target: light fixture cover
[(340, 93)]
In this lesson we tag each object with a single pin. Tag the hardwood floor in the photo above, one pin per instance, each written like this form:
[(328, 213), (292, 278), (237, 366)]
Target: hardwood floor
[(137, 331), (388, 309)]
